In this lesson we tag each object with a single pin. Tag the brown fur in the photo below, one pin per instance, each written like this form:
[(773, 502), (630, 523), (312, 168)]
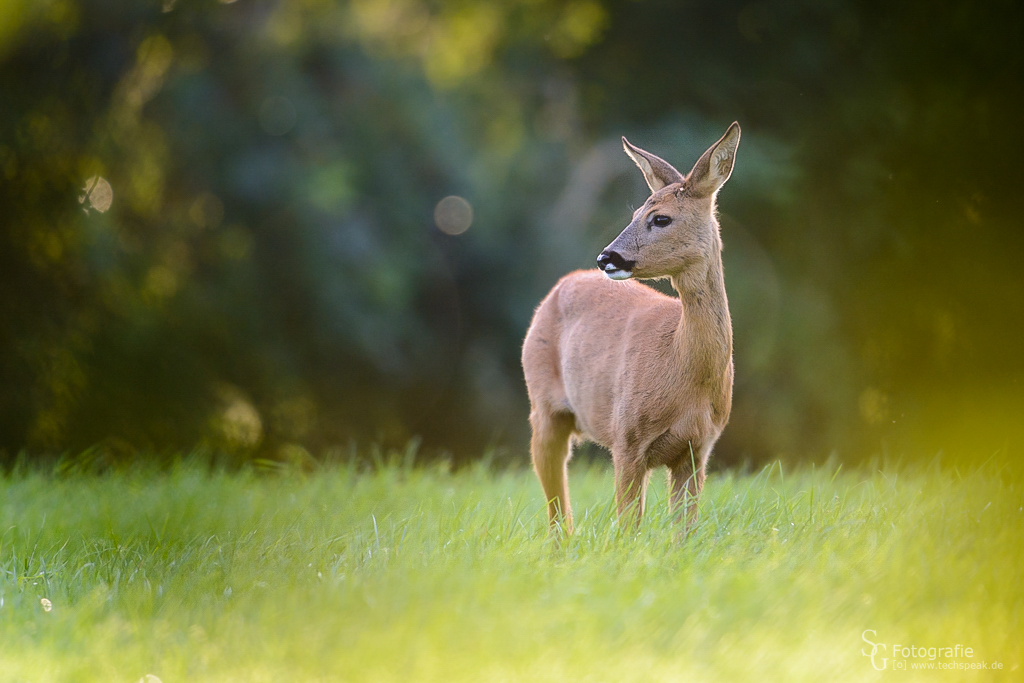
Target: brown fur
[(646, 375)]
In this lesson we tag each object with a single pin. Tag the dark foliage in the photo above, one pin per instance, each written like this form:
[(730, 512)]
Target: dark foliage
[(269, 273)]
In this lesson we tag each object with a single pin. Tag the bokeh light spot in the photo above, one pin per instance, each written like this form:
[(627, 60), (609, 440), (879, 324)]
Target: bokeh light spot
[(277, 115), (99, 193), (239, 422), (453, 215)]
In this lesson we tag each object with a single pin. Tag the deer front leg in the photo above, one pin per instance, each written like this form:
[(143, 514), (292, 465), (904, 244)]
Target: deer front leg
[(630, 490)]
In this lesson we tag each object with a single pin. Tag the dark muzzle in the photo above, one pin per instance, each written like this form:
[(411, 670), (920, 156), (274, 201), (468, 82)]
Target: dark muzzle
[(611, 260)]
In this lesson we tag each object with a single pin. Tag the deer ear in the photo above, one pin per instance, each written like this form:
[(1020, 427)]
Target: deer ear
[(715, 165), (657, 172)]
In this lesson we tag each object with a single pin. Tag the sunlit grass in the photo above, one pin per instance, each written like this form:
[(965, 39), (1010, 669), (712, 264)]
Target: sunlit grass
[(410, 574)]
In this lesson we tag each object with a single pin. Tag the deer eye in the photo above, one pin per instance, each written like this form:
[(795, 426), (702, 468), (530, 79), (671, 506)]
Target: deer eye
[(661, 221)]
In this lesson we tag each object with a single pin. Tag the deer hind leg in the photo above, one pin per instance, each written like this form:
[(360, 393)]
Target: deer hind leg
[(630, 490), (550, 449), (686, 481)]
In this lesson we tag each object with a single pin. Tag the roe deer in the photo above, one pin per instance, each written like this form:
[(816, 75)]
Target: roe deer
[(645, 375)]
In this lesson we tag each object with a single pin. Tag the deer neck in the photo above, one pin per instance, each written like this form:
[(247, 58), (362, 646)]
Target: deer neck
[(703, 339)]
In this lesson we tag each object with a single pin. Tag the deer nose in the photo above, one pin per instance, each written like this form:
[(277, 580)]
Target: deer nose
[(612, 260)]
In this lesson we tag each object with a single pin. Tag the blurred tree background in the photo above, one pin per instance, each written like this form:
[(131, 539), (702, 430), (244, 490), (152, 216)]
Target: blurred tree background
[(218, 218)]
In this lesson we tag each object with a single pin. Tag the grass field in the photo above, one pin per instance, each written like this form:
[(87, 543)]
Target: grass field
[(418, 574)]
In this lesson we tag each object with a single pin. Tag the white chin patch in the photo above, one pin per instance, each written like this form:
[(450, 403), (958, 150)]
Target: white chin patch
[(619, 274)]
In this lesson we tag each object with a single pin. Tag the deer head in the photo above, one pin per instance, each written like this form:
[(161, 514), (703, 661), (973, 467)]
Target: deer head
[(675, 230)]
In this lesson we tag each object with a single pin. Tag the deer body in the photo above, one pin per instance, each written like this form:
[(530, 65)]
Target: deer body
[(645, 375)]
